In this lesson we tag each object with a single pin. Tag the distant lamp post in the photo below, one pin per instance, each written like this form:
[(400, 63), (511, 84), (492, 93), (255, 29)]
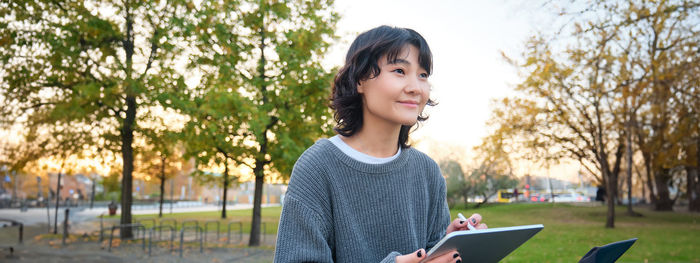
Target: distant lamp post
[(7, 178), (92, 193), (14, 186)]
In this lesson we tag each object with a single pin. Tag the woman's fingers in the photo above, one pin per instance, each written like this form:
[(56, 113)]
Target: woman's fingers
[(451, 257), (457, 225), (460, 224), (475, 219), (414, 257)]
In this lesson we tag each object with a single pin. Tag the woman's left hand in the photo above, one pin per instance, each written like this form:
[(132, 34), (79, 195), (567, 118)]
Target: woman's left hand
[(459, 224)]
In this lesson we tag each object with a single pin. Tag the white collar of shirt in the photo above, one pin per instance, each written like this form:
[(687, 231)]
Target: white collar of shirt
[(359, 156)]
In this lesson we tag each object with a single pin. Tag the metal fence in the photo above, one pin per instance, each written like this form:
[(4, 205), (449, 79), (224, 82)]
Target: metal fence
[(150, 231), (9, 223)]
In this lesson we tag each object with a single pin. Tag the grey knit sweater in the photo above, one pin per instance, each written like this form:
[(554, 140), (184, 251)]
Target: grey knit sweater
[(338, 209)]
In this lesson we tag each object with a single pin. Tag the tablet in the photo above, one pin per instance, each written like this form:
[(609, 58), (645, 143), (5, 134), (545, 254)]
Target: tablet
[(484, 245)]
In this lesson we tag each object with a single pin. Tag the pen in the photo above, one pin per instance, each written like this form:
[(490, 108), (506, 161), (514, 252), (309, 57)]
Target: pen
[(461, 216)]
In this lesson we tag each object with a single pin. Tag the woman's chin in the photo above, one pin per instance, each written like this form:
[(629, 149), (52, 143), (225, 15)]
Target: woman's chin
[(409, 122)]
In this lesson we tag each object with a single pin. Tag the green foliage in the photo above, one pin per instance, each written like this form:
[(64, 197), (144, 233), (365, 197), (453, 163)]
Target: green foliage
[(486, 184), (263, 82), (90, 76), (66, 72), (262, 99), (459, 187), (162, 155), (78, 75), (111, 185), (483, 182)]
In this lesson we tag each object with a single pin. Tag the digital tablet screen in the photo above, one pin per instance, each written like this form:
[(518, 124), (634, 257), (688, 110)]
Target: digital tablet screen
[(484, 245)]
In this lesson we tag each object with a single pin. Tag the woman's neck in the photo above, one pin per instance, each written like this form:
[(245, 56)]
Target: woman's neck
[(378, 140)]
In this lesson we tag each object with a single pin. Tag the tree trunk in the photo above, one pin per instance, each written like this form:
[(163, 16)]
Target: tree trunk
[(127, 132), (630, 162), (692, 192), (611, 183), (260, 159), (14, 188), (697, 173), (223, 208), (482, 202), (128, 166), (162, 186), (642, 182), (465, 196), (162, 198), (696, 208), (92, 193), (58, 198), (695, 192), (650, 179), (663, 199), (257, 201)]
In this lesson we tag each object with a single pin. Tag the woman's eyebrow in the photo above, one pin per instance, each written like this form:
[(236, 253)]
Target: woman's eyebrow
[(399, 61)]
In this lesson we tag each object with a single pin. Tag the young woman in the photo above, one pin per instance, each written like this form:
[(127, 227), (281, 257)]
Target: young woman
[(365, 195)]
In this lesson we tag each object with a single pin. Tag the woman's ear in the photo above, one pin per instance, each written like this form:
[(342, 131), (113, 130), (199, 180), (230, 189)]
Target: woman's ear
[(360, 88)]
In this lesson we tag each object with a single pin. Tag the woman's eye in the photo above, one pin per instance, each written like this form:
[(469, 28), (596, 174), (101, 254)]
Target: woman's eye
[(423, 75), (400, 71)]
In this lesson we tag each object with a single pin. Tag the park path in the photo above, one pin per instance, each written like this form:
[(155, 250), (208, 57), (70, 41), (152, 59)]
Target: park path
[(92, 252)]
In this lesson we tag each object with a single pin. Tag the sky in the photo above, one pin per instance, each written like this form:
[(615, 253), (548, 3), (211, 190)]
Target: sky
[(466, 39)]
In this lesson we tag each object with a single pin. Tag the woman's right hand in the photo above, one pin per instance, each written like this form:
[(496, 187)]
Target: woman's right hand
[(420, 254)]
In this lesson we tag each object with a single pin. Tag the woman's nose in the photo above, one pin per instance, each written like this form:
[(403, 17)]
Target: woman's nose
[(413, 85)]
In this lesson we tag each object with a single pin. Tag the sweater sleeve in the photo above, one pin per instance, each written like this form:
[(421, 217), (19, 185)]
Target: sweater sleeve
[(440, 211), (305, 232), (391, 258), (302, 235)]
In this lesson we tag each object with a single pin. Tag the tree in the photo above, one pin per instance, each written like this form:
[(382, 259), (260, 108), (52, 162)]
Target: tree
[(269, 52), (213, 134), (111, 186), (659, 68), (459, 187), (86, 68), (494, 170), (586, 101), (161, 158), (568, 107)]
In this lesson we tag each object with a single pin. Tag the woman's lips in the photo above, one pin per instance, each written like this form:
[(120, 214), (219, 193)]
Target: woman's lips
[(411, 104)]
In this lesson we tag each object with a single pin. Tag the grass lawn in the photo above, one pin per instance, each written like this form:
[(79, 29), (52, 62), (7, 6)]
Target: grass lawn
[(569, 231)]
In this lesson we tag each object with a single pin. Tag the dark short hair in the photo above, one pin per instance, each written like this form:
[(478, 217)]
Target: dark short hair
[(361, 64)]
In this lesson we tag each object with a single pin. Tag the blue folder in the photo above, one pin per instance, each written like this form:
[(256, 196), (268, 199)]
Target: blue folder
[(608, 253)]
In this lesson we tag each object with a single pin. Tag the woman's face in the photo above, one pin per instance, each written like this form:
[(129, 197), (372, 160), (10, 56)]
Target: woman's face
[(399, 93)]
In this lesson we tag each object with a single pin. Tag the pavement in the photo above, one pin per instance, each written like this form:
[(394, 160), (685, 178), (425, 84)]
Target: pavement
[(93, 252), (84, 221)]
